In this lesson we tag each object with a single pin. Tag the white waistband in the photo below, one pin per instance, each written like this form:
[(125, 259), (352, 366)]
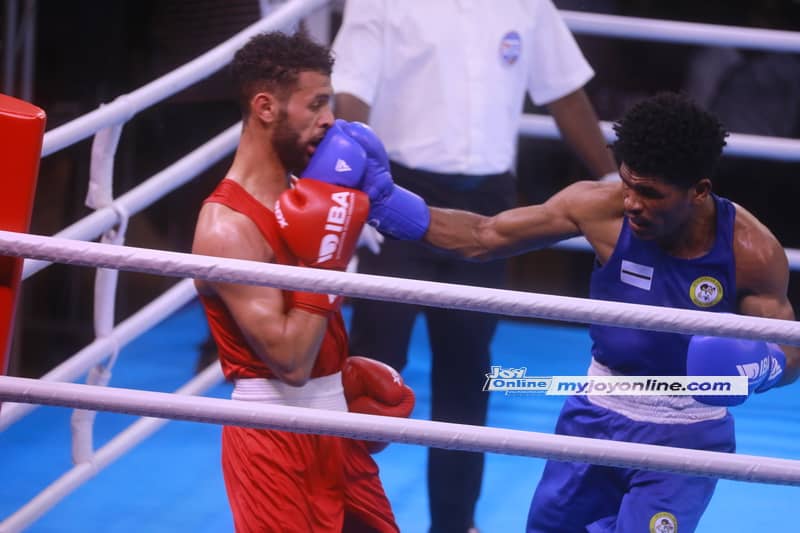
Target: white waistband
[(319, 393), (657, 409)]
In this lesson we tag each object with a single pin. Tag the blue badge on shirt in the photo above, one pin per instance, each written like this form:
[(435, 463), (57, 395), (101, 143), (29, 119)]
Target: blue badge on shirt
[(510, 47)]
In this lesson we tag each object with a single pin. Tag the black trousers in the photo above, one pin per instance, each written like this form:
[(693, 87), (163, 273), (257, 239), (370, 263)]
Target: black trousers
[(459, 340)]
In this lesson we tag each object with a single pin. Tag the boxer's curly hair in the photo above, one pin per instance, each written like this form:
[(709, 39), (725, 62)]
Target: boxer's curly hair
[(273, 61), (669, 137)]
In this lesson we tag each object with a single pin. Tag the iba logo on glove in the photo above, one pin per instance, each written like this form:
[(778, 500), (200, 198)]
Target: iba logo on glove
[(337, 219)]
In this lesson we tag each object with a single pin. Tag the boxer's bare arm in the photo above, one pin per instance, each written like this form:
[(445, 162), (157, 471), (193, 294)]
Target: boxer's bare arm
[(585, 208), (286, 339), (762, 279)]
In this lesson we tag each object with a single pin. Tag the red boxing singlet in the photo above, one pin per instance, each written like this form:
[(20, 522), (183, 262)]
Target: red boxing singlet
[(235, 356)]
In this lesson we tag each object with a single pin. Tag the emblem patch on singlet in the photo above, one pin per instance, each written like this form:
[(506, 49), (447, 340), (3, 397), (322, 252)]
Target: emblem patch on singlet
[(663, 523), (510, 47), (705, 291)]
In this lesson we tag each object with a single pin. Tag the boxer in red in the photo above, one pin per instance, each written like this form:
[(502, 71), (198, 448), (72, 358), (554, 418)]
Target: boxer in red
[(290, 347)]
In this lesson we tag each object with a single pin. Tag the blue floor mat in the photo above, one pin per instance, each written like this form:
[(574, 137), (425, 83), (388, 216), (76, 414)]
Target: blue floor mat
[(172, 482)]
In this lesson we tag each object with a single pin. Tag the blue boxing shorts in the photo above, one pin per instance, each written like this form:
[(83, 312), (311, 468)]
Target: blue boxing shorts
[(580, 497)]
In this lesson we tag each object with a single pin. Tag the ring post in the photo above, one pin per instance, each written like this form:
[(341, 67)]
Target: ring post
[(21, 133)]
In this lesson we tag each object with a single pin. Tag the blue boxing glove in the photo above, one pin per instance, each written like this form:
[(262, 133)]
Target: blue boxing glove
[(777, 364), (722, 356), (394, 210), (338, 160)]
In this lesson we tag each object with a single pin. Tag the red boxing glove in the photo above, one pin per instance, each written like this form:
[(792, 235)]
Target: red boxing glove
[(320, 224), (375, 388)]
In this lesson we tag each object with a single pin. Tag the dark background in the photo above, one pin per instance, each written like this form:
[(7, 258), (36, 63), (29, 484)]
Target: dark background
[(92, 51)]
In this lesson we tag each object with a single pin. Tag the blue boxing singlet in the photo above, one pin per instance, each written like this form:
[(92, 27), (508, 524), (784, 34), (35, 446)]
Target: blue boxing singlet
[(638, 271)]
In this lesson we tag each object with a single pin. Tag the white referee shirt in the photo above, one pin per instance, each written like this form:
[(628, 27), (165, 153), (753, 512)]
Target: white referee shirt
[(446, 79)]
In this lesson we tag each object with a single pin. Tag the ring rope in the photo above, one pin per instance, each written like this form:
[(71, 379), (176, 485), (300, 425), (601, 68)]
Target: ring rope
[(512, 303), (409, 431), (738, 144), (147, 192), (673, 31), (94, 353), (103, 457)]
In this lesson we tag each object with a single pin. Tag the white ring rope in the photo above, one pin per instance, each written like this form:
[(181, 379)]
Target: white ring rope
[(103, 457), (738, 144), (446, 295), (93, 354), (147, 192), (409, 431), (647, 29)]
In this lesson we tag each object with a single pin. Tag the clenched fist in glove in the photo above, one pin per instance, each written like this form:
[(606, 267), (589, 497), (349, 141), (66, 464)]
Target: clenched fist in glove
[(375, 388), (762, 362), (394, 210), (339, 159), (320, 224), (351, 155)]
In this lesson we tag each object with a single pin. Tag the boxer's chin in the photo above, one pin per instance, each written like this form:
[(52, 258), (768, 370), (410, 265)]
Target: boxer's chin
[(641, 228)]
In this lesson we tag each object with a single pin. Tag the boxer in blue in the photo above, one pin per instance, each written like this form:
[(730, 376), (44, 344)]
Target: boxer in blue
[(661, 237)]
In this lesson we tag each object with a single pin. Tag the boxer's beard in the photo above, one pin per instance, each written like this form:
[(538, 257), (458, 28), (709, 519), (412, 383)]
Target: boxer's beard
[(287, 145)]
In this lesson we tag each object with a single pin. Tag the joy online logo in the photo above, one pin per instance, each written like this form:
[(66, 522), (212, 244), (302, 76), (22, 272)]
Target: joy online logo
[(515, 380)]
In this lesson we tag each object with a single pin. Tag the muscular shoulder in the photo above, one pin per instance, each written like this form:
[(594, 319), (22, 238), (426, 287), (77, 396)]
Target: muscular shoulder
[(589, 203), (223, 232), (597, 199), (597, 209), (761, 262)]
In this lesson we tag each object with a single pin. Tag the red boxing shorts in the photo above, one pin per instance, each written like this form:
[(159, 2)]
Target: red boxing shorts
[(282, 481)]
